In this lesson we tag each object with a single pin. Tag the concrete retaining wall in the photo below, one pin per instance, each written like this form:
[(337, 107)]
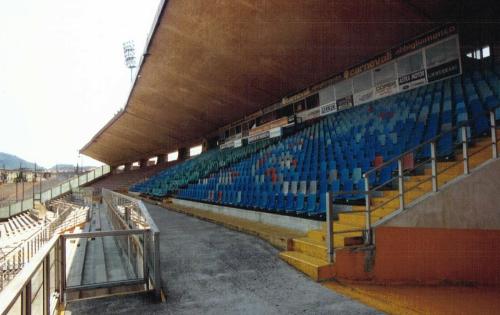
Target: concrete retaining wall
[(472, 202), (293, 223)]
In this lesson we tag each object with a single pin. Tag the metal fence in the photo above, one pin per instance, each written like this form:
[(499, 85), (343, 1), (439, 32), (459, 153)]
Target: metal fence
[(130, 213), (46, 282), (54, 192), (12, 262)]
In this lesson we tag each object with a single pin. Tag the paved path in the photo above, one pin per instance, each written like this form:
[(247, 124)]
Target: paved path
[(208, 269)]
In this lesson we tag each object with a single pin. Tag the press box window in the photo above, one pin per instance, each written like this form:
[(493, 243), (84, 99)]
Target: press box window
[(173, 156), (195, 150)]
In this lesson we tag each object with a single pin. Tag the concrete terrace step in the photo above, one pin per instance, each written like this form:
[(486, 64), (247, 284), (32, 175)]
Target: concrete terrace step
[(317, 269), (313, 248), (357, 219)]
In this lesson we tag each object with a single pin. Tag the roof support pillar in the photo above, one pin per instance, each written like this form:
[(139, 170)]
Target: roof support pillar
[(161, 158)]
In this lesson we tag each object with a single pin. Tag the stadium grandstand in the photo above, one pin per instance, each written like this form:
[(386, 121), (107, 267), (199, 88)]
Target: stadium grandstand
[(282, 157)]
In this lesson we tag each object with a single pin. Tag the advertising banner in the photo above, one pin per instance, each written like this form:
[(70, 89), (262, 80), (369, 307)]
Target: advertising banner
[(386, 89), (327, 109), (444, 70), (363, 97), (412, 80), (227, 144), (268, 126), (408, 47), (260, 136), (345, 103), (411, 71), (276, 132), (424, 40), (308, 114)]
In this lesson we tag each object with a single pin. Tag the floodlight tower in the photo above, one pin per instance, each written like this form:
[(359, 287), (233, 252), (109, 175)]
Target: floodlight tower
[(129, 53)]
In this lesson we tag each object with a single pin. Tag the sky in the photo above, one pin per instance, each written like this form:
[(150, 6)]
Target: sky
[(62, 72)]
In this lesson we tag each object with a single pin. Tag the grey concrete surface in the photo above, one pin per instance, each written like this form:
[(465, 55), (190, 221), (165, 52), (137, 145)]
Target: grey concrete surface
[(470, 202), (294, 223), (208, 269)]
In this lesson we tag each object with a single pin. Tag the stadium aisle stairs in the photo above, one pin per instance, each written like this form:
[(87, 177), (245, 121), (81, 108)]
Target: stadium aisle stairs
[(309, 254)]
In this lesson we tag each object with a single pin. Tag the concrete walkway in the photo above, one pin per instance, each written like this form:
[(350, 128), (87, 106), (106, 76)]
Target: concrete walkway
[(208, 269)]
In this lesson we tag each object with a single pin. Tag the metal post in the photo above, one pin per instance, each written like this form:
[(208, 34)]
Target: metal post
[(329, 229), (27, 302), (464, 150), (156, 256), (401, 185), (368, 213), (62, 244), (493, 135), (434, 167), (147, 237), (46, 282), (33, 185)]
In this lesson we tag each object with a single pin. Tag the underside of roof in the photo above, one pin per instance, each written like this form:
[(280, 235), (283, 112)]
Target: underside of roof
[(209, 63)]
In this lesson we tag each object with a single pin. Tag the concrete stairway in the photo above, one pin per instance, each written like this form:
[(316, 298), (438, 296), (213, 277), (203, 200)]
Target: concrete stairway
[(309, 254)]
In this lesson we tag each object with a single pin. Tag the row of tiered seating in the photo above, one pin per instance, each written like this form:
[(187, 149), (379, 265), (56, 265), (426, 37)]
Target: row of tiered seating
[(23, 226), (120, 181), (331, 155), (173, 178), (18, 225)]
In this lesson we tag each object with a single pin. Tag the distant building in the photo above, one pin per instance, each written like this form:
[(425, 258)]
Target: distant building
[(9, 176)]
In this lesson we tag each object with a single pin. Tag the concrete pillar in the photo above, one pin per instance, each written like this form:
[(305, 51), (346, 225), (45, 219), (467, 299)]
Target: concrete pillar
[(183, 154), (162, 158)]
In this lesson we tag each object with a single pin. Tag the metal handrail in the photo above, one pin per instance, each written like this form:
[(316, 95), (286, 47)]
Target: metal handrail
[(114, 199), (433, 139), (27, 248), (104, 171), (368, 193), (24, 240)]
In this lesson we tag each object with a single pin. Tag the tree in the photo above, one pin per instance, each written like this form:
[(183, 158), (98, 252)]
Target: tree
[(21, 177)]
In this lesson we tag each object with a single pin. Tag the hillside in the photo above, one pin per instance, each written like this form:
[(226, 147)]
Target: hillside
[(10, 162)]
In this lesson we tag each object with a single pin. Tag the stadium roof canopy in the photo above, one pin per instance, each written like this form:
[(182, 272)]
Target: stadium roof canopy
[(209, 63)]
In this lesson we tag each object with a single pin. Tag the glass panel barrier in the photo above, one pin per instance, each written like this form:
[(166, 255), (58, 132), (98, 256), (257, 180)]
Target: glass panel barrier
[(4, 212), (96, 260), (65, 187), (82, 179), (37, 292), (27, 204), (128, 212), (74, 183), (16, 208), (16, 308), (46, 196), (106, 169), (56, 191), (98, 172), (31, 282)]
